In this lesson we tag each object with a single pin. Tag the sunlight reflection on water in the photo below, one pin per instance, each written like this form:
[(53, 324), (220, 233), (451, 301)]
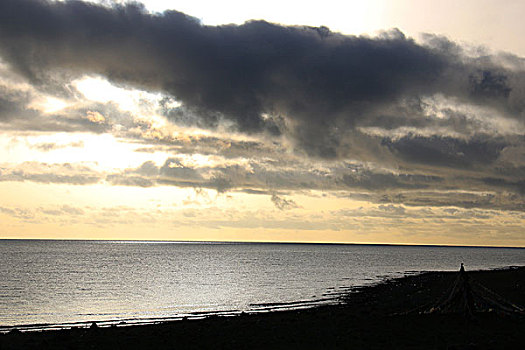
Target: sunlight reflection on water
[(67, 281)]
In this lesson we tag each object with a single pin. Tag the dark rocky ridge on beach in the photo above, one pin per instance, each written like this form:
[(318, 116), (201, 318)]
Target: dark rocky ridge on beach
[(370, 318)]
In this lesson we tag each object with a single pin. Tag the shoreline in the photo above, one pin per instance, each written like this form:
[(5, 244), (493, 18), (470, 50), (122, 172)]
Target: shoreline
[(367, 315), (197, 315)]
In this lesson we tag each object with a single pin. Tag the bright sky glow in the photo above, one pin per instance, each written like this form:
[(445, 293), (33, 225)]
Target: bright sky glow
[(84, 148), (49, 104), (352, 17), (100, 90), (478, 22)]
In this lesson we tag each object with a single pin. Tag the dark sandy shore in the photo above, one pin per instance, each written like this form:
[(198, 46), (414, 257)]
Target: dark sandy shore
[(369, 319)]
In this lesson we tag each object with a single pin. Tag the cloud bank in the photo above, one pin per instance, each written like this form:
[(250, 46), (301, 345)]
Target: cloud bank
[(385, 117)]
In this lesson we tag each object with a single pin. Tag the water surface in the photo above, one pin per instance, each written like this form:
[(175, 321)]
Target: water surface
[(70, 281)]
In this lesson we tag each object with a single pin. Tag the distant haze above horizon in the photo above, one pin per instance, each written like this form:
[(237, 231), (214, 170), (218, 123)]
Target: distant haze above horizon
[(398, 122)]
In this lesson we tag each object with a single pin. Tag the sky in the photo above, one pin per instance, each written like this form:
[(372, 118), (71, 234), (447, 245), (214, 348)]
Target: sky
[(399, 122)]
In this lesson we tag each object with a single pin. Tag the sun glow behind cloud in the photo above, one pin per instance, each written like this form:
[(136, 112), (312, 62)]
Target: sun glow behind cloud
[(101, 90), (105, 151), (49, 104)]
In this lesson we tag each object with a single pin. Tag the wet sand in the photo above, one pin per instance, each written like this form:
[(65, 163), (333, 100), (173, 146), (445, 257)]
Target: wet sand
[(370, 318)]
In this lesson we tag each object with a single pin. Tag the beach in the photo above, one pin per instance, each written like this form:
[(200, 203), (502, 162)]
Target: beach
[(372, 317)]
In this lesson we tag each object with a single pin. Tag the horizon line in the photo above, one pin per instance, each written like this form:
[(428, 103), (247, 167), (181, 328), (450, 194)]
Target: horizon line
[(262, 242)]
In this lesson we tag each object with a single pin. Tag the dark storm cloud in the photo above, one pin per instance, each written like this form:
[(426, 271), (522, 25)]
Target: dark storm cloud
[(513, 186), (380, 181), (420, 114), (308, 83), (500, 200), (447, 151)]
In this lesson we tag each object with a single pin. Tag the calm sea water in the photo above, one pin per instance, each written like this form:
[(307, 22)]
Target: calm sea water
[(50, 282)]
